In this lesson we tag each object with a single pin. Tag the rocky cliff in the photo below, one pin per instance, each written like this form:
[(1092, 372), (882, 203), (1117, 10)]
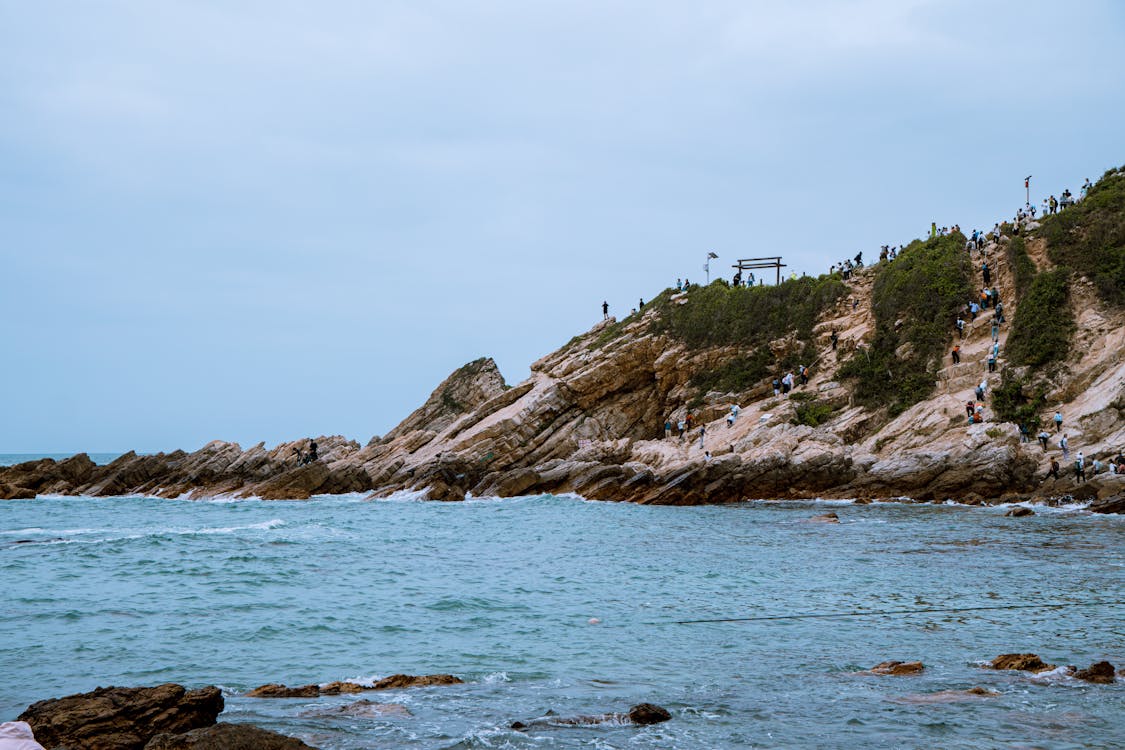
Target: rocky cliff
[(590, 419)]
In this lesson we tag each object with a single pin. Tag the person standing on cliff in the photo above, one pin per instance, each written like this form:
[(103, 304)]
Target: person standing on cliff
[(1064, 443), (702, 432), (956, 354), (605, 311), (1058, 421), (995, 329), (1079, 468), (667, 429), (835, 339), (961, 326)]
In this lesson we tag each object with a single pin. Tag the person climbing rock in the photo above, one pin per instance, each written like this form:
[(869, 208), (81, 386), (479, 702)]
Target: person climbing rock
[(1054, 471), (970, 407), (995, 329), (1058, 421), (835, 339), (1064, 444), (961, 326), (605, 311), (1043, 437), (992, 362), (956, 354), (986, 274), (1079, 468)]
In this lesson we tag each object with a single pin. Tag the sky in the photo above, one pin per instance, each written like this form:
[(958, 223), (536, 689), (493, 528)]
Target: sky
[(259, 221)]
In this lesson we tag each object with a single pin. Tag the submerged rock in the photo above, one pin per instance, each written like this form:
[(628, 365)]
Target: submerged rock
[(947, 696), (824, 518), (117, 718), (361, 708), (641, 714), (226, 736), (1019, 511), (1021, 662)]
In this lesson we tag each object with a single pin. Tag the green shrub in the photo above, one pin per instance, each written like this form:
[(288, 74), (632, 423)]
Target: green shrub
[(1018, 400), (915, 299), (736, 375), (813, 413), (1023, 268), (1044, 324), (718, 315), (1090, 237)]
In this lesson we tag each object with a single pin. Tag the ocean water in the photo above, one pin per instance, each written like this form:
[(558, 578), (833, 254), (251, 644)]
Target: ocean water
[(140, 591)]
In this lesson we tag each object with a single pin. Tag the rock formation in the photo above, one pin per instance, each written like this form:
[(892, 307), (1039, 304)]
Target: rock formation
[(394, 682), (590, 420), (224, 736), (1021, 662)]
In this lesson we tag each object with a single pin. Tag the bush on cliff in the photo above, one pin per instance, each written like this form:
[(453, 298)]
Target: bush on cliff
[(719, 315), (915, 299), (1018, 400), (1090, 236), (735, 375), (1044, 323)]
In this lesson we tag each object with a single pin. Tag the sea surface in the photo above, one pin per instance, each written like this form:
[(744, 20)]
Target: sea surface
[(140, 591)]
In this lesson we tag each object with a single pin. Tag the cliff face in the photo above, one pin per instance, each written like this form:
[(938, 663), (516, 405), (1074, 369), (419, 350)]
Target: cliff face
[(590, 420)]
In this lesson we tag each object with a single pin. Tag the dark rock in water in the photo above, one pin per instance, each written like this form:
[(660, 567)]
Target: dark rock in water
[(1021, 662), (276, 690), (443, 492), (1115, 504), (1085, 493), (1100, 672), (648, 713), (641, 714), (898, 668), (117, 718), (397, 681), (226, 736), (1019, 511)]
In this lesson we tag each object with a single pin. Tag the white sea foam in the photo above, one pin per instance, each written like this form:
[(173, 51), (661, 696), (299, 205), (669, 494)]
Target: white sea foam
[(495, 678)]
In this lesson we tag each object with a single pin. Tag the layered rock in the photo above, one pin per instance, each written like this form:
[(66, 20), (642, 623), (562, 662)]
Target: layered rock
[(589, 420)]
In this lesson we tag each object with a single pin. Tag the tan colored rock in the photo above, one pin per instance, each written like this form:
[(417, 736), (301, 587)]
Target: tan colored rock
[(398, 681), (1100, 672), (898, 668), (336, 688), (1021, 662), (276, 690)]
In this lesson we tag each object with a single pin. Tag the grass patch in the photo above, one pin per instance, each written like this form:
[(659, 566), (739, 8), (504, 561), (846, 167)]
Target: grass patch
[(1090, 237), (1023, 267), (915, 300), (1043, 324)]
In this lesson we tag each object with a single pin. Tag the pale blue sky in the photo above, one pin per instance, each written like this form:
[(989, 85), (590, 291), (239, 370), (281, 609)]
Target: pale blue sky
[(265, 220)]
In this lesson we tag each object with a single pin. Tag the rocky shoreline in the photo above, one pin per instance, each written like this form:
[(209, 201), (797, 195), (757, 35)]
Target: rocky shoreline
[(172, 717), (592, 420)]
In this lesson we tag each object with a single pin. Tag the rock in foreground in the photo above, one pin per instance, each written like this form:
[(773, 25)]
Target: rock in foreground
[(226, 736), (116, 718)]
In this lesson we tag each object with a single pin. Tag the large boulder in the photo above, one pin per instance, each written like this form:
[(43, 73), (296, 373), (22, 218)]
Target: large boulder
[(117, 718), (1100, 672), (226, 736)]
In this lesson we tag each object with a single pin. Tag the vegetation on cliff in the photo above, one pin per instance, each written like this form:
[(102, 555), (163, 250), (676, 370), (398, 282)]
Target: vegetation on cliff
[(915, 299), (720, 315), (1090, 236), (1017, 399), (1044, 323)]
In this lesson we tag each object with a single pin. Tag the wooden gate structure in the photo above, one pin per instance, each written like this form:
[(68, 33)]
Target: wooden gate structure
[(750, 264)]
